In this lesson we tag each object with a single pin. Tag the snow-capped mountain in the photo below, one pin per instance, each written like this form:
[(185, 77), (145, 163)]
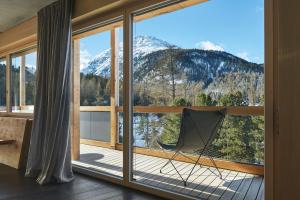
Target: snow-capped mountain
[(142, 46), (100, 65), (218, 71)]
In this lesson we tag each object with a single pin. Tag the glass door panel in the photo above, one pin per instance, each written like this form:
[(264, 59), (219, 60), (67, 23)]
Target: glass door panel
[(204, 57), (100, 60)]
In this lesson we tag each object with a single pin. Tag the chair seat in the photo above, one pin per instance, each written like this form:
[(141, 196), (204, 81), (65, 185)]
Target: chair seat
[(168, 147)]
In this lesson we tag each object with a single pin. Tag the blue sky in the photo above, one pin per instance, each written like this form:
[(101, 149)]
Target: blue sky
[(234, 26), (30, 60)]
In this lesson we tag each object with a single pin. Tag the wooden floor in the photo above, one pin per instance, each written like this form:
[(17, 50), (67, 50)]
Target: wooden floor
[(14, 186), (203, 184)]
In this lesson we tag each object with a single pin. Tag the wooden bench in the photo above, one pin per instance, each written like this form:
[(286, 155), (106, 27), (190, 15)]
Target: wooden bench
[(14, 141)]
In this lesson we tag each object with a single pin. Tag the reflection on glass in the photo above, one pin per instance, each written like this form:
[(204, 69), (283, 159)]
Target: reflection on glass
[(2, 85)]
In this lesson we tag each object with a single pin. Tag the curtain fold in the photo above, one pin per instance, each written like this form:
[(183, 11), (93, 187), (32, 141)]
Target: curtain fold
[(49, 158)]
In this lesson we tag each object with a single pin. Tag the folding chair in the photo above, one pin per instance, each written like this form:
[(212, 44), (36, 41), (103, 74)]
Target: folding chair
[(197, 131)]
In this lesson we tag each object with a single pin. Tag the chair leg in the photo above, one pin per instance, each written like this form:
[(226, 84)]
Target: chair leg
[(169, 161), (164, 165), (191, 172), (212, 160), (185, 182), (190, 159)]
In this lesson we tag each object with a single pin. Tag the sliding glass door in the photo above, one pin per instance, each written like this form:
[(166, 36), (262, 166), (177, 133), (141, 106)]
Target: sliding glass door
[(99, 56), (199, 58)]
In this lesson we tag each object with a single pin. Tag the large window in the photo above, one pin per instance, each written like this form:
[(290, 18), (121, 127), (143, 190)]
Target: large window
[(194, 54), (2, 85), (23, 77)]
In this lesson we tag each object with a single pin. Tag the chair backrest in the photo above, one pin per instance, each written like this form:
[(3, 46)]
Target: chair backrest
[(198, 129)]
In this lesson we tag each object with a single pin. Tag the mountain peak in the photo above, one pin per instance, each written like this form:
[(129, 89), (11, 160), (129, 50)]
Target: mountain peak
[(143, 45), (150, 40)]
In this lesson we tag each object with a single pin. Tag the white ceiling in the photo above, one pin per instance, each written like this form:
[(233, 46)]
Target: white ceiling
[(14, 12)]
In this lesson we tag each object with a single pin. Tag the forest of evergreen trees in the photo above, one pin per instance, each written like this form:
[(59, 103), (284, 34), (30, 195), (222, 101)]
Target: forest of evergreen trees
[(94, 90), (241, 138)]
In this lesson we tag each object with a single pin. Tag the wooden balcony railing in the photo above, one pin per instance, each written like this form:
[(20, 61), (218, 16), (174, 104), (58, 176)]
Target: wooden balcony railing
[(234, 110)]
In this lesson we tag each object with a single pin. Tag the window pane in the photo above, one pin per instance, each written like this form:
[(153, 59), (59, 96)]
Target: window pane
[(23, 77), (180, 60), (95, 70), (15, 83), (30, 78), (120, 64), (2, 85)]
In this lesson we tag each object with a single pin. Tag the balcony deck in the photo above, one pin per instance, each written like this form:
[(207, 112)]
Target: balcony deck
[(203, 184)]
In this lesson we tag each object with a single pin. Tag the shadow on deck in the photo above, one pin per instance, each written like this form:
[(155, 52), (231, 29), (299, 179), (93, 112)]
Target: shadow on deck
[(203, 183)]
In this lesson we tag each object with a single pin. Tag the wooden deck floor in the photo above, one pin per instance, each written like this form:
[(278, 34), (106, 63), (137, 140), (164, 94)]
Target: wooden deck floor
[(203, 184)]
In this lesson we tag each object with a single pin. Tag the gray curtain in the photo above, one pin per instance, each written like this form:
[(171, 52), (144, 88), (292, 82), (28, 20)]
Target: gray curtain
[(49, 158)]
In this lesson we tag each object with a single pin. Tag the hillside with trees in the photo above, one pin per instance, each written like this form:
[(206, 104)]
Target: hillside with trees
[(166, 72)]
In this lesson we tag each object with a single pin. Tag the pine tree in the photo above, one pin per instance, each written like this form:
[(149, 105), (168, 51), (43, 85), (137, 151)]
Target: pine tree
[(205, 100), (241, 137)]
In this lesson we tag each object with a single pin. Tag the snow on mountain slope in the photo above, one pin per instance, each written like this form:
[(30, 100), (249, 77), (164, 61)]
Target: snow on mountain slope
[(143, 45)]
